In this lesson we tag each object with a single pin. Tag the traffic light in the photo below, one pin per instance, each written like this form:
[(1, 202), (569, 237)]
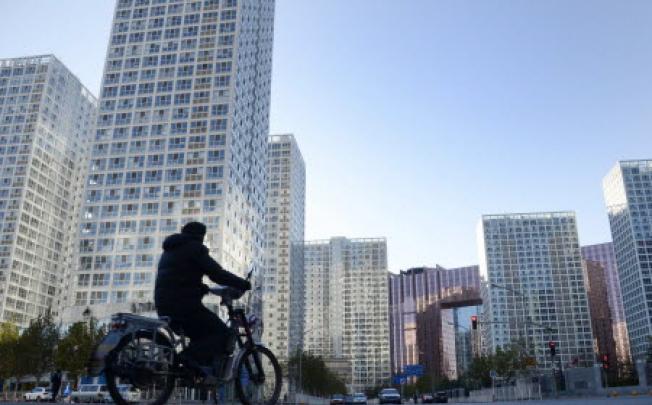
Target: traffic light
[(605, 361), (474, 322), (551, 345)]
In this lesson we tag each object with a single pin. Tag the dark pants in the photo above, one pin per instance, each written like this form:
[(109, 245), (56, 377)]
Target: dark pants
[(209, 336), (55, 390)]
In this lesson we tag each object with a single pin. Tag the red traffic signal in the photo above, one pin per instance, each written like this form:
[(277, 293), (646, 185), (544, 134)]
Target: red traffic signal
[(605, 361), (474, 322), (552, 347)]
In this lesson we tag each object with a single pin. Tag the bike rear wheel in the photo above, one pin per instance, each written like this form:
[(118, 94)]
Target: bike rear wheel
[(141, 370), (258, 377)]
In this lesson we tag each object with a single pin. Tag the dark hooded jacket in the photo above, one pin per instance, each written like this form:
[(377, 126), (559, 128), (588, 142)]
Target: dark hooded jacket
[(185, 261)]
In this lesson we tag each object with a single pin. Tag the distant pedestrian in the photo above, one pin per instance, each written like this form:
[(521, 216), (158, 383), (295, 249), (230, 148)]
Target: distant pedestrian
[(66, 393), (415, 397), (55, 380)]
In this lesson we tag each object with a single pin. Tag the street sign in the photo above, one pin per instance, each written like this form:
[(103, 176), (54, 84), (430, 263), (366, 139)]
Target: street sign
[(399, 379), (493, 374), (413, 370)]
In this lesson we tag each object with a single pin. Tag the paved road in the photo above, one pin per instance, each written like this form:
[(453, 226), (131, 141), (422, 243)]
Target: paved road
[(647, 400), (592, 401)]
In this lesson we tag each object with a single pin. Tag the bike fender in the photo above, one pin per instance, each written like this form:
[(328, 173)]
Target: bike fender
[(96, 364)]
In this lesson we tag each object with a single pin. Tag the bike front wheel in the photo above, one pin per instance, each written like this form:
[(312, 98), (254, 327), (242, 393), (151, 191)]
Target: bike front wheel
[(258, 377)]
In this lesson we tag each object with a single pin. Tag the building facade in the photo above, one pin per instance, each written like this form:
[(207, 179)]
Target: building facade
[(467, 342), (604, 255), (283, 281), (533, 286), (181, 135), (601, 318), (46, 122), (628, 195), (346, 311), (424, 302)]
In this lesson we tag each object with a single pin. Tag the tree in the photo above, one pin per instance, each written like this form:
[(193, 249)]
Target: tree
[(8, 351), (507, 362), (76, 346), (479, 370), (626, 374), (36, 347), (316, 378)]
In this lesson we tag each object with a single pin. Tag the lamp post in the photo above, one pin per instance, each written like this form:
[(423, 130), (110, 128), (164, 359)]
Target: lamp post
[(300, 354)]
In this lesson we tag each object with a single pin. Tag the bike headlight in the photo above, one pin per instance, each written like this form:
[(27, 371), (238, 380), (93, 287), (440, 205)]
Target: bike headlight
[(255, 324), (252, 321)]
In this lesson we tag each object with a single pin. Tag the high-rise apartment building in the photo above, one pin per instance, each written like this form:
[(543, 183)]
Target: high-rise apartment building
[(46, 121), (603, 253), (346, 309), (424, 306), (283, 279), (533, 286), (181, 135), (628, 195)]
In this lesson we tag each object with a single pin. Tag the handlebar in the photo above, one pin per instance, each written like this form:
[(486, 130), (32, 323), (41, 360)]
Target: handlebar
[(230, 293), (250, 273), (226, 292)]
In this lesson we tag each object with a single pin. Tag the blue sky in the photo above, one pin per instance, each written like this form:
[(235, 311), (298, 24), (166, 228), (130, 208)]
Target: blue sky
[(417, 117)]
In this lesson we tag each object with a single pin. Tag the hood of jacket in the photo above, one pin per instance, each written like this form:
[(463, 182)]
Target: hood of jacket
[(176, 240)]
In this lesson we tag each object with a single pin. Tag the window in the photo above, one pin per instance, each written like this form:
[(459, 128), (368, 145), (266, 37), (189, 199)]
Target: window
[(142, 278), (119, 297), (81, 298), (144, 261), (98, 297), (215, 172), (83, 280), (100, 280)]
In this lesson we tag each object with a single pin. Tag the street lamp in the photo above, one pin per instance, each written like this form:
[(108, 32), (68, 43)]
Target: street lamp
[(305, 332)]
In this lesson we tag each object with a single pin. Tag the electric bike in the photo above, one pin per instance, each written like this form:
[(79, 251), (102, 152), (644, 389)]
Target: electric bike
[(140, 359)]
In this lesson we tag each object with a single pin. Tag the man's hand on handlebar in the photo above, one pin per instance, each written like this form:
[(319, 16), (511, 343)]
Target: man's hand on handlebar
[(205, 289)]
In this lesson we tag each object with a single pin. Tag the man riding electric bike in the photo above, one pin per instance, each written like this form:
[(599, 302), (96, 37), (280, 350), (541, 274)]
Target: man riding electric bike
[(178, 294)]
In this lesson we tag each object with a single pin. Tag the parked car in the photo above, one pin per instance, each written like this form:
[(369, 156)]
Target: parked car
[(441, 397), (427, 398), (337, 399), (356, 399), (38, 394), (389, 396), (127, 392), (91, 393)]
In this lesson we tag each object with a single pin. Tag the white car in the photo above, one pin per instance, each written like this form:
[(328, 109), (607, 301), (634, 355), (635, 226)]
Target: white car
[(129, 393), (91, 393), (38, 394)]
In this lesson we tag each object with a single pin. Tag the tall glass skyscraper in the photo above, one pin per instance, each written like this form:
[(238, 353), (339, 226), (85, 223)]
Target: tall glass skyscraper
[(533, 286), (283, 280), (628, 194), (181, 135), (46, 121), (346, 309), (603, 253)]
